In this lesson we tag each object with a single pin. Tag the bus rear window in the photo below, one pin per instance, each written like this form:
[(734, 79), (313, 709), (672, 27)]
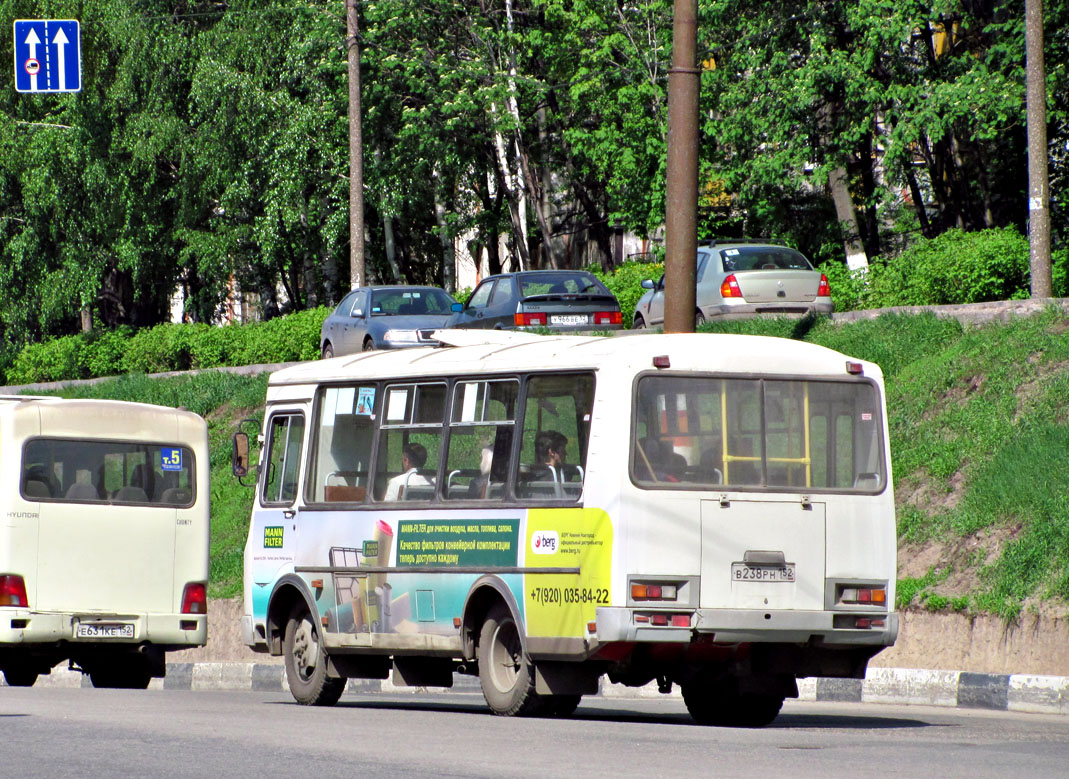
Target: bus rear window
[(116, 472), (760, 433)]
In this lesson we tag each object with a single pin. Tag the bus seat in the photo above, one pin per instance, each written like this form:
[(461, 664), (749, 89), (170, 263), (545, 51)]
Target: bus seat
[(80, 491), (130, 495), (35, 488), (175, 496)]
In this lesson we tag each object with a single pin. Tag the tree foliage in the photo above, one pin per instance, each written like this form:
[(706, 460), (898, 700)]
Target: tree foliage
[(207, 151)]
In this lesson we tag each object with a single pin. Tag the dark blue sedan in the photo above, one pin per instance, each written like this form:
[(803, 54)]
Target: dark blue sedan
[(387, 317)]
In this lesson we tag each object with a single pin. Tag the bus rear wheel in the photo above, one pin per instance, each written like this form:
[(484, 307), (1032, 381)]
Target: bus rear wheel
[(721, 706), (506, 673), (131, 673), (306, 662), (20, 677)]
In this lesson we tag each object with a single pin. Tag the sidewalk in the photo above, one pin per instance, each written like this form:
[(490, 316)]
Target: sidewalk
[(960, 689)]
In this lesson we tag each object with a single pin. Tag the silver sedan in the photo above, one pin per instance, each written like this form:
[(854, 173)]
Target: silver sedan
[(742, 280)]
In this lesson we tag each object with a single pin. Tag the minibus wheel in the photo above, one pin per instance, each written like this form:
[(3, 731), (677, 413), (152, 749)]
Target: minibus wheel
[(127, 673), (306, 662), (506, 673), (711, 704), (20, 677)]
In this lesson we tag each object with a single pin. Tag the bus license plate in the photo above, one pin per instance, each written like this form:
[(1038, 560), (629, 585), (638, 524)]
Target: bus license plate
[(569, 319), (741, 572), (104, 630)]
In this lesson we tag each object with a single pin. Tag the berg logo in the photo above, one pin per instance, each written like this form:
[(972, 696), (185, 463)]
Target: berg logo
[(545, 542)]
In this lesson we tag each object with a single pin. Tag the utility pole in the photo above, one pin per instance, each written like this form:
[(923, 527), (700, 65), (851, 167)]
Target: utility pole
[(681, 207), (356, 150), (1038, 181)]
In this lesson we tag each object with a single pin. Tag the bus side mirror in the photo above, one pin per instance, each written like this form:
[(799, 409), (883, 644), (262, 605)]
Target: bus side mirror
[(239, 457)]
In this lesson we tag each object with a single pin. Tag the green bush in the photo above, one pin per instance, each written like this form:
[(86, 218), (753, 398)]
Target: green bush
[(52, 360), (625, 282)]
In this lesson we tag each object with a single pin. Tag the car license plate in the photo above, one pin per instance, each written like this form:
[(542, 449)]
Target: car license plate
[(104, 630), (569, 319), (741, 572)]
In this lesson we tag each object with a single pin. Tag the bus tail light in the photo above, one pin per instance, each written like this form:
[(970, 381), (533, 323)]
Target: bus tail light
[(730, 288), (529, 320), (13, 591), (864, 595), (608, 318), (195, 598), (654, 592), (824, 289)]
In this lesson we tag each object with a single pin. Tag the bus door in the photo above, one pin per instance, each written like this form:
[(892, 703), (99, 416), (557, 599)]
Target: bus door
[(272, 537), (105, 537), (764, 549)]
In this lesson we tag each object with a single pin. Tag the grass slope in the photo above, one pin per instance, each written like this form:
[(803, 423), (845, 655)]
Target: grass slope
[(979, 422)]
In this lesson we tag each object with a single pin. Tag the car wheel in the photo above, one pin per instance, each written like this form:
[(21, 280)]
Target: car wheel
[(369, 345), (639, 323), (328, 351), (699, 319)]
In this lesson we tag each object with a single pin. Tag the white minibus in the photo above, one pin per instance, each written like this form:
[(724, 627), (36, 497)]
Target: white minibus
[(104, 539), (712, 511)]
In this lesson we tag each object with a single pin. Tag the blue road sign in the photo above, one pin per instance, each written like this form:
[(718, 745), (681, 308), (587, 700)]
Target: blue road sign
[(48, 55)]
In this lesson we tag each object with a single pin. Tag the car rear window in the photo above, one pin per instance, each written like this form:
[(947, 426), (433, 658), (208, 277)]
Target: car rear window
[(560, 283), (763, 258)]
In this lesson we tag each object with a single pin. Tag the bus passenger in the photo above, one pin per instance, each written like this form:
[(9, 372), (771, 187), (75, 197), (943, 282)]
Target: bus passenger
[(413, 457), (550, 449)]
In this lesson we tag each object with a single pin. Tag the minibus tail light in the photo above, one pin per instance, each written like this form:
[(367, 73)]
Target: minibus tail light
[(13, 591), (730, 288), (195, 599), (529, 320), (855, 368)]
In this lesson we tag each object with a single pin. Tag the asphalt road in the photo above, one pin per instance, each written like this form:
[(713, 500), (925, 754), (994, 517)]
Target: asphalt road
[(162, 733)]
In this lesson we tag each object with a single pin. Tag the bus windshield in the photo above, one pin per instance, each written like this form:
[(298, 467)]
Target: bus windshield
[(757, 433)]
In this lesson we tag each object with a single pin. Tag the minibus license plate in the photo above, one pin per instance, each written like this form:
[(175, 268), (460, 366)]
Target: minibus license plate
[(569, 319), (104, 630), (741, 572)]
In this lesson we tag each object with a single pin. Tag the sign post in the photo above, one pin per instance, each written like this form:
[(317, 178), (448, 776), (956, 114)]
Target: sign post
[(48, 55)]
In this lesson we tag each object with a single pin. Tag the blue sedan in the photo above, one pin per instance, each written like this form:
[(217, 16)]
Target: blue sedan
[(387, 317)]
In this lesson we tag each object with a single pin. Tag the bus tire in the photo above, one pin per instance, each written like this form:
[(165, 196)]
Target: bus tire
[(20, 677), (306, 662), (130, 673), (506, 673), (713, 705), (561, 705)]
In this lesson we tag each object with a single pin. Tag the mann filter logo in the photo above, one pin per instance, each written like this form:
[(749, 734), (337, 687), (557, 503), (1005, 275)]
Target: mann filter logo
[(273, 537), (371, 549), (545, 542)]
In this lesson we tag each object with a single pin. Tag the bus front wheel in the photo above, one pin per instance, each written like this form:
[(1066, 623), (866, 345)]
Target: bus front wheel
[(506, 673), (306, 662)]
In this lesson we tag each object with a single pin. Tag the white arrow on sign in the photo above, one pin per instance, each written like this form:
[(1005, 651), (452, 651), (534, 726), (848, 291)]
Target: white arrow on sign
[(61, 56), (31, 41)]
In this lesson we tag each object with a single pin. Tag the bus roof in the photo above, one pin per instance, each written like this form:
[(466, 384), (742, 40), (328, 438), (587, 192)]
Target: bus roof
[(100, 418), (488, 351)]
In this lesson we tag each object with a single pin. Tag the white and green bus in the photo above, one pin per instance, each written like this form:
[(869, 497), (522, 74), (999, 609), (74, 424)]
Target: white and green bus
[(104, 539), (711, 511)]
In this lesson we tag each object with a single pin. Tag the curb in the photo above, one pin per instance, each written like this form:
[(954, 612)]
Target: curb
[(954, 689)]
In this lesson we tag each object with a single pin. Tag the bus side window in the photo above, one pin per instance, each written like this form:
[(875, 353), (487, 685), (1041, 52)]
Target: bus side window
[(410, 440), (284, 440), (556, 428), (480, 439), (344, 429)]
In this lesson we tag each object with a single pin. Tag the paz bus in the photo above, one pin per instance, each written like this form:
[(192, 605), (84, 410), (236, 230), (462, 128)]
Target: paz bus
[(104, 540), (708, 511)]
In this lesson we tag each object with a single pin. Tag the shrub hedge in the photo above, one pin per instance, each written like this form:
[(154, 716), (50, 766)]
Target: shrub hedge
[(955, 267), (169, 347)]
